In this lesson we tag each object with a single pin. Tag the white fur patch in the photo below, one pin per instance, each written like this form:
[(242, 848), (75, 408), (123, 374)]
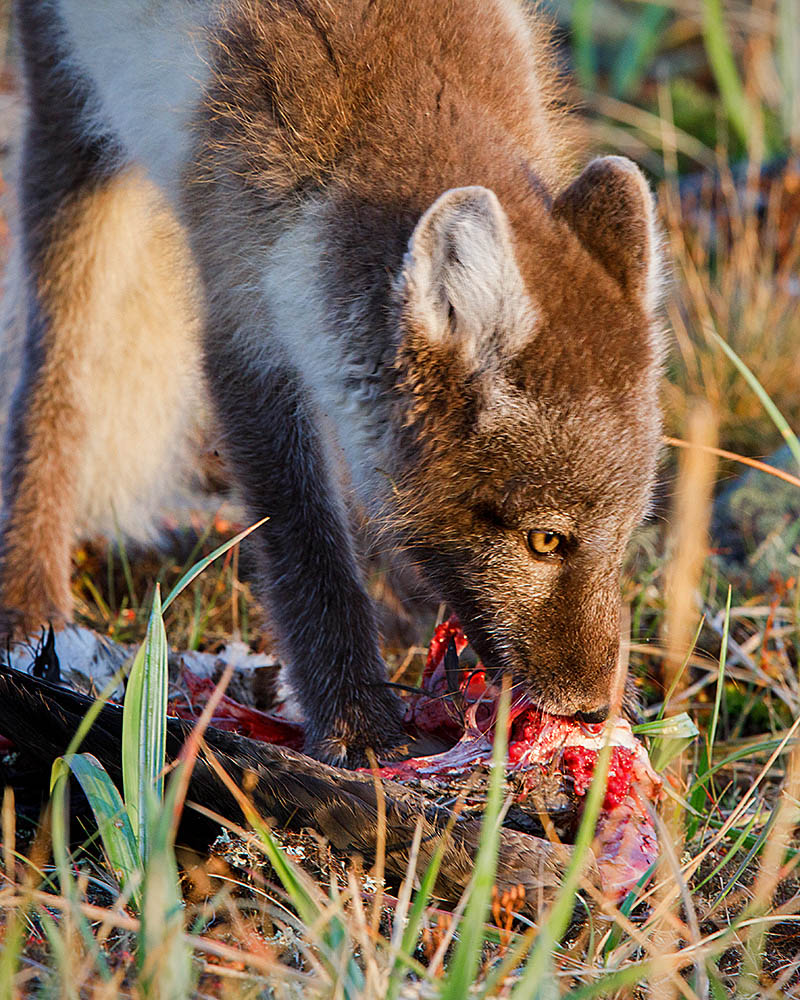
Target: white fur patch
[(299, 317), (145, 390), (148, 62)]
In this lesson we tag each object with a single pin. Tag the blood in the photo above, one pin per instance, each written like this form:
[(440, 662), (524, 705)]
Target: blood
[(434, 709), (625, 840), (232, 715), (443, 633), (580, 762)]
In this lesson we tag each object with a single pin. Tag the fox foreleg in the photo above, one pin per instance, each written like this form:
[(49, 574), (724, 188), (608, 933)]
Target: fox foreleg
[(306, 559)]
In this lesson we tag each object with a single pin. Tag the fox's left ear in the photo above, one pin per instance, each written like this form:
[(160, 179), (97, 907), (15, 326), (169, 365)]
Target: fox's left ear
[(460, 282), (610, 209)]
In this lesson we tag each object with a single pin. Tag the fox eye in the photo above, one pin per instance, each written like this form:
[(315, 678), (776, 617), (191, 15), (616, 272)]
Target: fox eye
[(544, 543)]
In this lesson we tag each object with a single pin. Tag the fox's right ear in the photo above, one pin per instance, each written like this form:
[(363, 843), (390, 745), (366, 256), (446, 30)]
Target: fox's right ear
[(460, 283), (610, 209)]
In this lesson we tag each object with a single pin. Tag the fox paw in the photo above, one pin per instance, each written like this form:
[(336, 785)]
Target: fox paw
[(378, 726)]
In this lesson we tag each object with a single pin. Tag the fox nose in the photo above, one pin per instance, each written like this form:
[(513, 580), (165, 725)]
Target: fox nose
[(593, 718)]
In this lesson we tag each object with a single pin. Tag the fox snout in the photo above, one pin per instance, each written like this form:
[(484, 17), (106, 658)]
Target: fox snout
[(596, 717), (564, 681), (573, 674), (561, 650)]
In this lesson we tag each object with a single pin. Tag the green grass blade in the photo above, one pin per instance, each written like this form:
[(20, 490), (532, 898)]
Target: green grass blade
[(718, 990), (294, 882), (126, 566), (289, 877), (336, 943), (467, 956), (607, 986), (723, 659), (679, 674), (748, 751), (759, 843), (774, 413), (61, 959), (111, 818), (198, 567), (94, 710), (411, 932), (788, 38), (625, 908), (59, 837), (164, 955), (11, 952), (697, 795), (144, 727), (537, 975), (730, 853), (723, 66)]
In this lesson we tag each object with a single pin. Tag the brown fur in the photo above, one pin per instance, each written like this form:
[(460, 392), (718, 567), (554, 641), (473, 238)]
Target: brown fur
[(322, 99), (306, 92)]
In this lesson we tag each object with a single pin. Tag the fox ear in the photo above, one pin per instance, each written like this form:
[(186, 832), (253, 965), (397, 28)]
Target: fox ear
[(610, 209), (460, 282)]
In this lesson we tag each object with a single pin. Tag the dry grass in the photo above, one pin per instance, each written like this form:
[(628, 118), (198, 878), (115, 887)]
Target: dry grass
[(735, 252)]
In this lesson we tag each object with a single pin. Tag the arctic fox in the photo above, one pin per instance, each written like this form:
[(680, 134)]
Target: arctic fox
[(350, 225)]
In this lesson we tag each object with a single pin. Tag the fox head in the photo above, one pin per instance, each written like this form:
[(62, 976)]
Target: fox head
[(528, 371)]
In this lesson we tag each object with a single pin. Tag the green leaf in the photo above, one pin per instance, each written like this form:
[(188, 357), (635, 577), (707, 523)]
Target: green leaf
[(664, 751), (673, 727), (111, 818), (670, 737), (144, 725), (773, 412), (59, 839), (198, 567)]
